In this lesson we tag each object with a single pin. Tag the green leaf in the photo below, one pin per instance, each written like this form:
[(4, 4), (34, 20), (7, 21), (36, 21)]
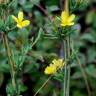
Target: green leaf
[(76, 75), (9, 22), (22, 88), (1, 23), (28, 5), (35, 1), (91, 54), (12, 35), (88, 37), (5, 68), (53, 8), (89, 18), (91, 70)]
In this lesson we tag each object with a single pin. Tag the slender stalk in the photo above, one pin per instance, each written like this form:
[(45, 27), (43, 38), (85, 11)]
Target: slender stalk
[(66, 6), (67, 53), (68, 56), (68, 82), (83, 71), (85, 76), (67, 67), (43, 85), (12, 64), (65, 72)]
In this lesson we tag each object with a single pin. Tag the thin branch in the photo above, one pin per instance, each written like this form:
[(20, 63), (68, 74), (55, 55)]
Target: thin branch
[(37, 38), (12, 63), (84, 76), (68, 56), (65, 72), (43, 85), (83, 71)]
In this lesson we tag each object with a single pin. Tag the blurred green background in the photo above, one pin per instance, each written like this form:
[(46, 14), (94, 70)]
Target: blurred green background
[(32, 76)]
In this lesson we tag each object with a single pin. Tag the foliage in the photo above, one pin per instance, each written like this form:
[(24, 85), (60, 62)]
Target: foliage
[(34, 47)]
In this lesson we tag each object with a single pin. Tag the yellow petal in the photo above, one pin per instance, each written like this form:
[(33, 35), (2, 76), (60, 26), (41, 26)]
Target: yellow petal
[(64, 18), (50, 70), (63, 24), (25, 23), (19, 26), (64, 15), (71, 18), (72, 23), (15, 19), (54, 61), (20, 16)]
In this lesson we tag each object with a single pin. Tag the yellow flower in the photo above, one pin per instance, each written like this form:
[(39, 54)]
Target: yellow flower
[(66, 19), (54, 66), (50, 70), (20, 20), (58, 63)]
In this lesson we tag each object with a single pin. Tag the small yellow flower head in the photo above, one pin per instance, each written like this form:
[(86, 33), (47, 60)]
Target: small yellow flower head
[(58, 63), (54, 66), (20, 20), (66, 19), (50, 70)]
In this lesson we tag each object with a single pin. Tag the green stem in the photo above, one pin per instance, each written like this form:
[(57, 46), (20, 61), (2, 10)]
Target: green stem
[(68, 82), (65, 72), (68, 56), (12, 64), (84, 76), (83, 71), (43, 85), (38, 37), (66, 6)]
